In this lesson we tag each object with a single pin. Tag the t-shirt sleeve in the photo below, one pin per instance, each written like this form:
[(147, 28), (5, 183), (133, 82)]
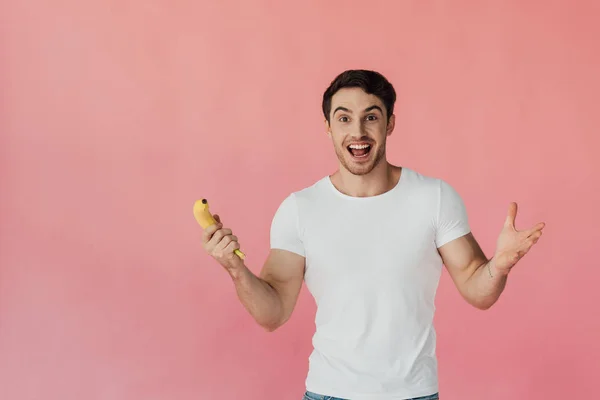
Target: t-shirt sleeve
[(285, 228), (452, 220)]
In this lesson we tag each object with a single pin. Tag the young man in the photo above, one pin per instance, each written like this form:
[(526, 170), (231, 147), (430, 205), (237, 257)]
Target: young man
[(370, 241)]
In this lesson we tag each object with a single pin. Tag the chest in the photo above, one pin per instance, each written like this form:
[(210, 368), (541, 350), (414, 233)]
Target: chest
[(361, 243)]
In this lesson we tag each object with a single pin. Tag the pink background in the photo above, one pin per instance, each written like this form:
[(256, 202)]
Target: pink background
[(117, 115)]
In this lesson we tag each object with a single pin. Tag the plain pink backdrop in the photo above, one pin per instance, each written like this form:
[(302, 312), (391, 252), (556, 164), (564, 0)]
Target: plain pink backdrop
[(117, 115)]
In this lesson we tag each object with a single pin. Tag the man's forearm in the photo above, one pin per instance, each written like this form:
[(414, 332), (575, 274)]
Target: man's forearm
[(258, 297), (485, 285)]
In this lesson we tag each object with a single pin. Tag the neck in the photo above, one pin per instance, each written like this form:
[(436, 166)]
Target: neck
[(380, 180)]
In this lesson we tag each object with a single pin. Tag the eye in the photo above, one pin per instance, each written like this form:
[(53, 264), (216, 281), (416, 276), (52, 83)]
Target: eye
[(371, 117), (343, 118)]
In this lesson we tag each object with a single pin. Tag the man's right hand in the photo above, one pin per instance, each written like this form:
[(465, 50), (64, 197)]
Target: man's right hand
[(221, 243)]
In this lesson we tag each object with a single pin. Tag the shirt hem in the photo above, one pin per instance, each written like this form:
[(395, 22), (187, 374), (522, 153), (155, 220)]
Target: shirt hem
[(453, 236), (373, 396)]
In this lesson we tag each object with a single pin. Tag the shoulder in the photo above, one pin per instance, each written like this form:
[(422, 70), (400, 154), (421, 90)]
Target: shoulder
[(419, 182), (303, 195), (310, 193), (420, 179), (433, 190)]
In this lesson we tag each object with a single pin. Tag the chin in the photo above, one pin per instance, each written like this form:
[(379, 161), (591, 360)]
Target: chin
[(359, 169), (362, 168)]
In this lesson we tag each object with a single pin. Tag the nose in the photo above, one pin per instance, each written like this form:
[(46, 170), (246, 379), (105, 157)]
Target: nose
[(357, 130)]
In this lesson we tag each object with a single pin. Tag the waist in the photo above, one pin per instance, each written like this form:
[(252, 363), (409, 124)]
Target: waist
[(354, 373)]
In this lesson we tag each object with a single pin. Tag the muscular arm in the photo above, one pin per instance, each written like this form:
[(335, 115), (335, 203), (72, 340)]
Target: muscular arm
[(472, 272), (271, 297), (479, 280)]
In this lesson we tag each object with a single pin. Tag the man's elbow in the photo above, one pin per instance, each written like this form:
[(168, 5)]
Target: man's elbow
[(479, 302), (270, 327), (482, 304)]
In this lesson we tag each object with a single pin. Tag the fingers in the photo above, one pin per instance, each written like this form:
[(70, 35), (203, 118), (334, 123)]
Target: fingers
[(218, 236), (221, 241), (208, 233), (224, 242), (535, 236), (535, 229), (226, 246), (511, 216), (529, 242), (231, 247)]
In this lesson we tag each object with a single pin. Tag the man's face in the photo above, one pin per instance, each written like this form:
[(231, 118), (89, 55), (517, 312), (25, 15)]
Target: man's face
[(358, 128)]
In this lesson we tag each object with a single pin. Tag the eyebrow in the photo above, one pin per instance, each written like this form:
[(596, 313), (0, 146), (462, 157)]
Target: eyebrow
[(374, 108), (350, 112)]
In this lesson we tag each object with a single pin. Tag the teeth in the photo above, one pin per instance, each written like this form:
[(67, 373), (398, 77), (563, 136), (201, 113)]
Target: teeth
[(359, 146)]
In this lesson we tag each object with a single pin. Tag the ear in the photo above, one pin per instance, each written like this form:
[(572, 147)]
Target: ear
[(391, 124), (327, 128)]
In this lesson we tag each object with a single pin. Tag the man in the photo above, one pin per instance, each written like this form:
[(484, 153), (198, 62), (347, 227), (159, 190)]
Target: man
[(369, 241)]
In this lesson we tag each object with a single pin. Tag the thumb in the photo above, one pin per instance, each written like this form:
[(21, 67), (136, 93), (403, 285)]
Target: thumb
[(217, 218), (512, 215)]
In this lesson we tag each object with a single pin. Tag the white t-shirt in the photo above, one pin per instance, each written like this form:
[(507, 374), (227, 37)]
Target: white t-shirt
[(373, 268)]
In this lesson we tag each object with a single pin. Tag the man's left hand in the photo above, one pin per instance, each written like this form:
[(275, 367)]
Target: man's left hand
[(512, 244)]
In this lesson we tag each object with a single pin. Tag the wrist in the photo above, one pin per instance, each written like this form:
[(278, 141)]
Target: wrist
[(236, 273), (493, 271)]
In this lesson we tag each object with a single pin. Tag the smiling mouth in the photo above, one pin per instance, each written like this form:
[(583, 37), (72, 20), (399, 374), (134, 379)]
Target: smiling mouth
[(359, 150)]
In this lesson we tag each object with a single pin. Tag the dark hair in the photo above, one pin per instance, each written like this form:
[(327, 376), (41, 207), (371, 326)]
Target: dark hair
[(370, 81)]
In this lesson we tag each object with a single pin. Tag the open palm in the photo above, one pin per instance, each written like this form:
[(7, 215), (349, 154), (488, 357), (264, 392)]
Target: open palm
[(512, 244)]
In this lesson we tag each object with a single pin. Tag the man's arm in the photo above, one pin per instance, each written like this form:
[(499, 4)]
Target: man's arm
[(271, 297), (472, 273), (481, 280)]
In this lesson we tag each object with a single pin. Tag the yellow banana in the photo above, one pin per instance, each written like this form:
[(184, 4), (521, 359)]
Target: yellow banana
[(205, 219)]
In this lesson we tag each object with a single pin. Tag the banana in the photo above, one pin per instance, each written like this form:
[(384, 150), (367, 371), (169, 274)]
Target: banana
[(205, 219)]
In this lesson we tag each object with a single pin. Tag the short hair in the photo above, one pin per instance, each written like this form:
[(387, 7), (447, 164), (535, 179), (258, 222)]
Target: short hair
[(371, 82)]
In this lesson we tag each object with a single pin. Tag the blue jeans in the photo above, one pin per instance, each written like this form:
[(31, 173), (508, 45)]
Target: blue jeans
[(314, 396)]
